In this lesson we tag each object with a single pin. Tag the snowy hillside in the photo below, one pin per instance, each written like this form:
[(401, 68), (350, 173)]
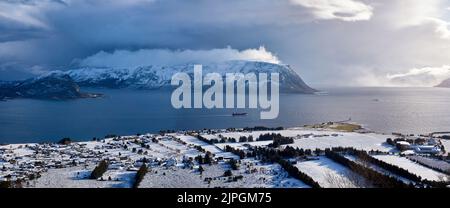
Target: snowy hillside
[(179, 159)]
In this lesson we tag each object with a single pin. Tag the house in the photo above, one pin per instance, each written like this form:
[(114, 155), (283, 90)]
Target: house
[(403, 145), (432, 141), (171, 162), (408, 152), (426, 149)]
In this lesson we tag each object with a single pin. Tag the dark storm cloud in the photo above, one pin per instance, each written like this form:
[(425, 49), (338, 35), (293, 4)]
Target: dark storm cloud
[(59, 32), (326, 41)]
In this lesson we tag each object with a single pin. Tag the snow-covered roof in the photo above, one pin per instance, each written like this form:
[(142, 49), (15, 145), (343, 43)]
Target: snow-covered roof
[(403, 143)]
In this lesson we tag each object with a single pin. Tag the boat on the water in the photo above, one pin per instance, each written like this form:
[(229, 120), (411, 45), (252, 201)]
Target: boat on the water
[(239, 114)]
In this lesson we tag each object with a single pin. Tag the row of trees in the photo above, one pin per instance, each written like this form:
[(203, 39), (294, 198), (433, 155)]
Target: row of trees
[(98, 171), (296, 173), (291, 152), (378, 179), (262, 128), (277, 138), (273, 155), (397, 170), (225, 139), (204, 160), (269, 136), (246, 139), (429, 166), (281, 141), (362, 155), (140, 175), (241, 153)]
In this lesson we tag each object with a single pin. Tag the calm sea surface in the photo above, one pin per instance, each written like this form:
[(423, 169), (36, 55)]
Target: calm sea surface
[(124, 112)]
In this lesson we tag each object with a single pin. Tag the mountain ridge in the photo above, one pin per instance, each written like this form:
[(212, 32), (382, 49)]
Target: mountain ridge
[(154, 76), (147, 77)]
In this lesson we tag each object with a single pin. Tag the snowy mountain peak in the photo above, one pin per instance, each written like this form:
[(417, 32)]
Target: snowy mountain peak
[(154, 77)]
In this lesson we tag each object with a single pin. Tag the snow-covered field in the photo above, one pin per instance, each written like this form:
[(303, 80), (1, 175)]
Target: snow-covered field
[(377, 168), (330, 174), (194, 141), (218, 152), (412, 167), (446, 144), (257, 175), (359, 141), (319, 138), (76, 177), (431, 162)]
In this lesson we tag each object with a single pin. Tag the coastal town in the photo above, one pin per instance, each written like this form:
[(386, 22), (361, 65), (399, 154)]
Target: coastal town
[(328, 155)]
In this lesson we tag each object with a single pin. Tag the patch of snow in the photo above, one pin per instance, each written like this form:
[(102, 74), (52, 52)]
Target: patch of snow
[(330, 174), (412, 167)]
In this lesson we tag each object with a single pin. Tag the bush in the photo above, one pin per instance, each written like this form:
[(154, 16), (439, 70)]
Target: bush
[(227, 173)]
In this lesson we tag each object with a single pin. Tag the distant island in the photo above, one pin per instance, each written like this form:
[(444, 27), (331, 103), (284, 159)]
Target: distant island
[(54, 86), (445, 83), (62, 85)]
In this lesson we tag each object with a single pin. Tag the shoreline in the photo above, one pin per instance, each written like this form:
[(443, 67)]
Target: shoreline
[(362, 127)]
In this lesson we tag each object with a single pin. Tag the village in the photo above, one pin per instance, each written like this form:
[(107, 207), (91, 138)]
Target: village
[(299, 157)]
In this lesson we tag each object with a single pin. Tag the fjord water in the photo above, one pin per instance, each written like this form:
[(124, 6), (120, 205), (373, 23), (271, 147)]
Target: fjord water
[(126, 112)]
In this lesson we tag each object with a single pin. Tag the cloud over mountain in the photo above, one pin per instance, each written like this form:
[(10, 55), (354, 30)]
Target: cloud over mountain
[(147, 57)]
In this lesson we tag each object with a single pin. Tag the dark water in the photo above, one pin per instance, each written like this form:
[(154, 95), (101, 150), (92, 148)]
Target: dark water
[(124, 112)]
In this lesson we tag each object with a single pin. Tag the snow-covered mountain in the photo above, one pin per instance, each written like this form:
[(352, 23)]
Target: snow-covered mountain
[(66, 84), (155, 77), (445, 83), (52, 86)]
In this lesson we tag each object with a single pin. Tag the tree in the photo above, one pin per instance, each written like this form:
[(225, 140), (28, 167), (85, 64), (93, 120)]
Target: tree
[(233, 164), (243, 139), (208, 159), (200, 169), (140, 175), (98, 171), (227, 173)]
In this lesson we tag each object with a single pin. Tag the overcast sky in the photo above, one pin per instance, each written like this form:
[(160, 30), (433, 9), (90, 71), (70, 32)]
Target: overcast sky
[(328, 42)]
